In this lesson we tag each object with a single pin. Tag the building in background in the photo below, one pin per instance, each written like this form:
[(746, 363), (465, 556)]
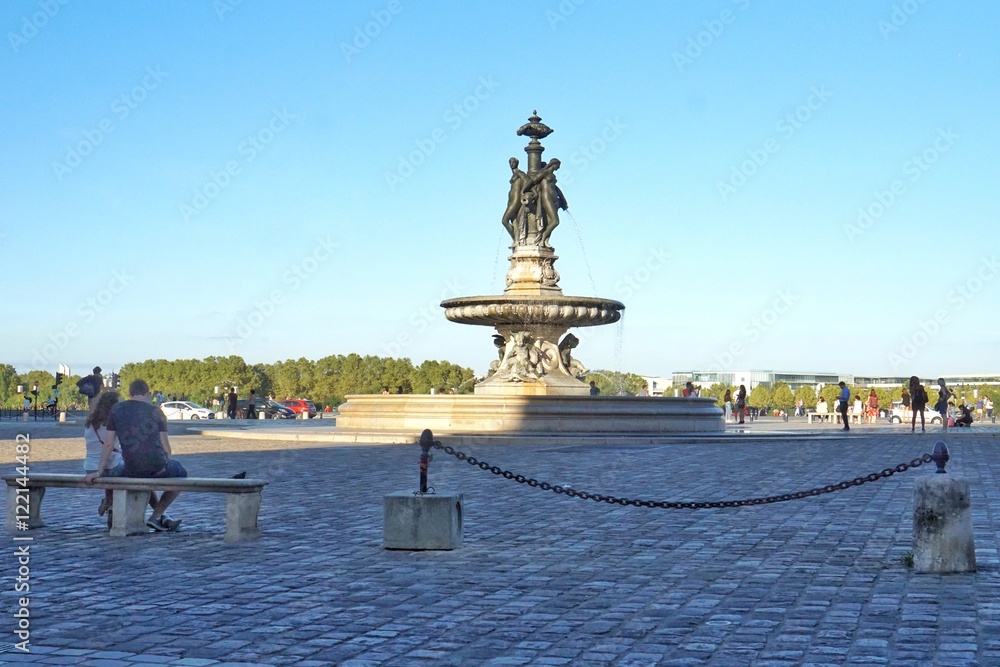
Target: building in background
[(659, 385), (751, 378)]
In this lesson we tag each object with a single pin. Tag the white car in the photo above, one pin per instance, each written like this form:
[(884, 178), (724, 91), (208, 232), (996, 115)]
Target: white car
[(931, 416), (185, 410)]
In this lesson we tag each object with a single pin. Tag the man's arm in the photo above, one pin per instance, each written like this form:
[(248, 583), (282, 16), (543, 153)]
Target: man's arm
[(106, 449), (165, 443)]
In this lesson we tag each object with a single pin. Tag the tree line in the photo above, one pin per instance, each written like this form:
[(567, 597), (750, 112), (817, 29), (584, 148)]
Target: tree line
[(325, 381)]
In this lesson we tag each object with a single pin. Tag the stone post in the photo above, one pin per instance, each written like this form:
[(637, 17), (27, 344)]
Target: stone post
[(942, 526)]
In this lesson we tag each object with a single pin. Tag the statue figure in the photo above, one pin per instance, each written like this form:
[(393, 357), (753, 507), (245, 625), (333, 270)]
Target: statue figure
[(552, 200), (527, 218), (510, 215), (541, 200), (571, 365), (521, 359), (501, 346), (549, 276)]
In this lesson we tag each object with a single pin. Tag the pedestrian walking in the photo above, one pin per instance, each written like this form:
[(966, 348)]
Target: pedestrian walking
[(872, 406), (251, 408)]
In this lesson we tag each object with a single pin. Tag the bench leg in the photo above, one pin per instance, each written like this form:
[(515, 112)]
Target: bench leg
[(129, 513), (241, 517), (33, 519)]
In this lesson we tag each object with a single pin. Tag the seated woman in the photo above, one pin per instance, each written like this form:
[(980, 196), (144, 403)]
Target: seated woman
[(965, 420)]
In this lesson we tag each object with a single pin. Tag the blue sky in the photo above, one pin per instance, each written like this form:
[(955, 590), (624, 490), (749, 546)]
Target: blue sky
[(779, 185)]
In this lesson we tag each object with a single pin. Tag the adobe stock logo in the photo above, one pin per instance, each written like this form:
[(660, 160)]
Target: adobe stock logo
[(86, 312), (786, 127), (248, 150), (363, 35), (914, 169), (754, 328), (957, 298), (294, 277), (122, 107), (37, 21), (702, 41), (454, 116)]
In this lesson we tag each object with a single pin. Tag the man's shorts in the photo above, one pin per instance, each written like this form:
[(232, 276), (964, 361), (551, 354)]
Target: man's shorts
[(115, 471), (172, 469)]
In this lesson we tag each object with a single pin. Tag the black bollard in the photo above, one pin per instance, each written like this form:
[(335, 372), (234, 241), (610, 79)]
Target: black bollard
[(426, 442), (940, 456)]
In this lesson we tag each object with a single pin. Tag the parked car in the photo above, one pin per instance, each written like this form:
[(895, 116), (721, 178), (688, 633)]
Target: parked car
[(931, 416), (185, 410), (301, 405), (269, 408)]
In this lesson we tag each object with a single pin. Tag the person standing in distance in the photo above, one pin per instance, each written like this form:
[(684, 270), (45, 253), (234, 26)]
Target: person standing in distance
[(844, 399), (741, 403), (944, 395), (231, 410), (918, 400)]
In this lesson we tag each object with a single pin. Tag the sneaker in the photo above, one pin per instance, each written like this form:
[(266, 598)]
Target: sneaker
[(164, 523), (240, 475), (104, 506)]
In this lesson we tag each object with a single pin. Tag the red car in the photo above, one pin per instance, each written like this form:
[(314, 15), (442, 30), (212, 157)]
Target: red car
[(301, 405)]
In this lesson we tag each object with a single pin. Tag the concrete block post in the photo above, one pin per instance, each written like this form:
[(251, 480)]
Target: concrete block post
[(418, 522), (942, 526), (129, 516)]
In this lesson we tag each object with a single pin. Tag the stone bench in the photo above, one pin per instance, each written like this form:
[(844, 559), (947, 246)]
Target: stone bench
[(130, 496), (833, 417)]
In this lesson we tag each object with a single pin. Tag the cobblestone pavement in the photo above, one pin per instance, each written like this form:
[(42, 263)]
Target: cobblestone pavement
[(541, 579)]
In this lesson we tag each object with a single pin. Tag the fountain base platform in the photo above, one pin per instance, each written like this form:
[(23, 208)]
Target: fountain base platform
[(537, 415)]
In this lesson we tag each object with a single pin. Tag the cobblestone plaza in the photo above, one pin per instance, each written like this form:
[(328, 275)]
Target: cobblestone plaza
[(541, 579)]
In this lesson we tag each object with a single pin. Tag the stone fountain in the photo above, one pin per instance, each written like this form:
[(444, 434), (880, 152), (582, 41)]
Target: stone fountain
[(532, 314), (535, 385)]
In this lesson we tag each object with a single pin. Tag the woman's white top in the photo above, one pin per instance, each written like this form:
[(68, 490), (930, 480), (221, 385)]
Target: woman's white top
[(94, 445)]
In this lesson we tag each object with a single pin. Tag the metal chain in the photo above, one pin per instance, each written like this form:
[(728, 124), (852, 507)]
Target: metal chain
[(670, 504)]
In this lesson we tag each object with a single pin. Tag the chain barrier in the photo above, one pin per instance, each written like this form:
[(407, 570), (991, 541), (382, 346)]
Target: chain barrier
[(668, 504)]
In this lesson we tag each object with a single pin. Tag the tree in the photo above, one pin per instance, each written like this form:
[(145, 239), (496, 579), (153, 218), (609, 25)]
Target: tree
[(830, 393), (8, 385), (760, 397), (807, 396), (718, 392), (782, 397), (615, 383)]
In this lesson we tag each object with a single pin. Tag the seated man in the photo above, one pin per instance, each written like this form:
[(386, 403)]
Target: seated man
[(141, 429)]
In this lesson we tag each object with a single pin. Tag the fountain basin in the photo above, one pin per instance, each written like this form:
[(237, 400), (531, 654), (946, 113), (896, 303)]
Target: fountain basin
[(553, 310), (536, 415)]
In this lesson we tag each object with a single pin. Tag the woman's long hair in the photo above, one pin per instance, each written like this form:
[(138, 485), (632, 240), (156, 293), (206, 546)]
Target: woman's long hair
[(98, 416)]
